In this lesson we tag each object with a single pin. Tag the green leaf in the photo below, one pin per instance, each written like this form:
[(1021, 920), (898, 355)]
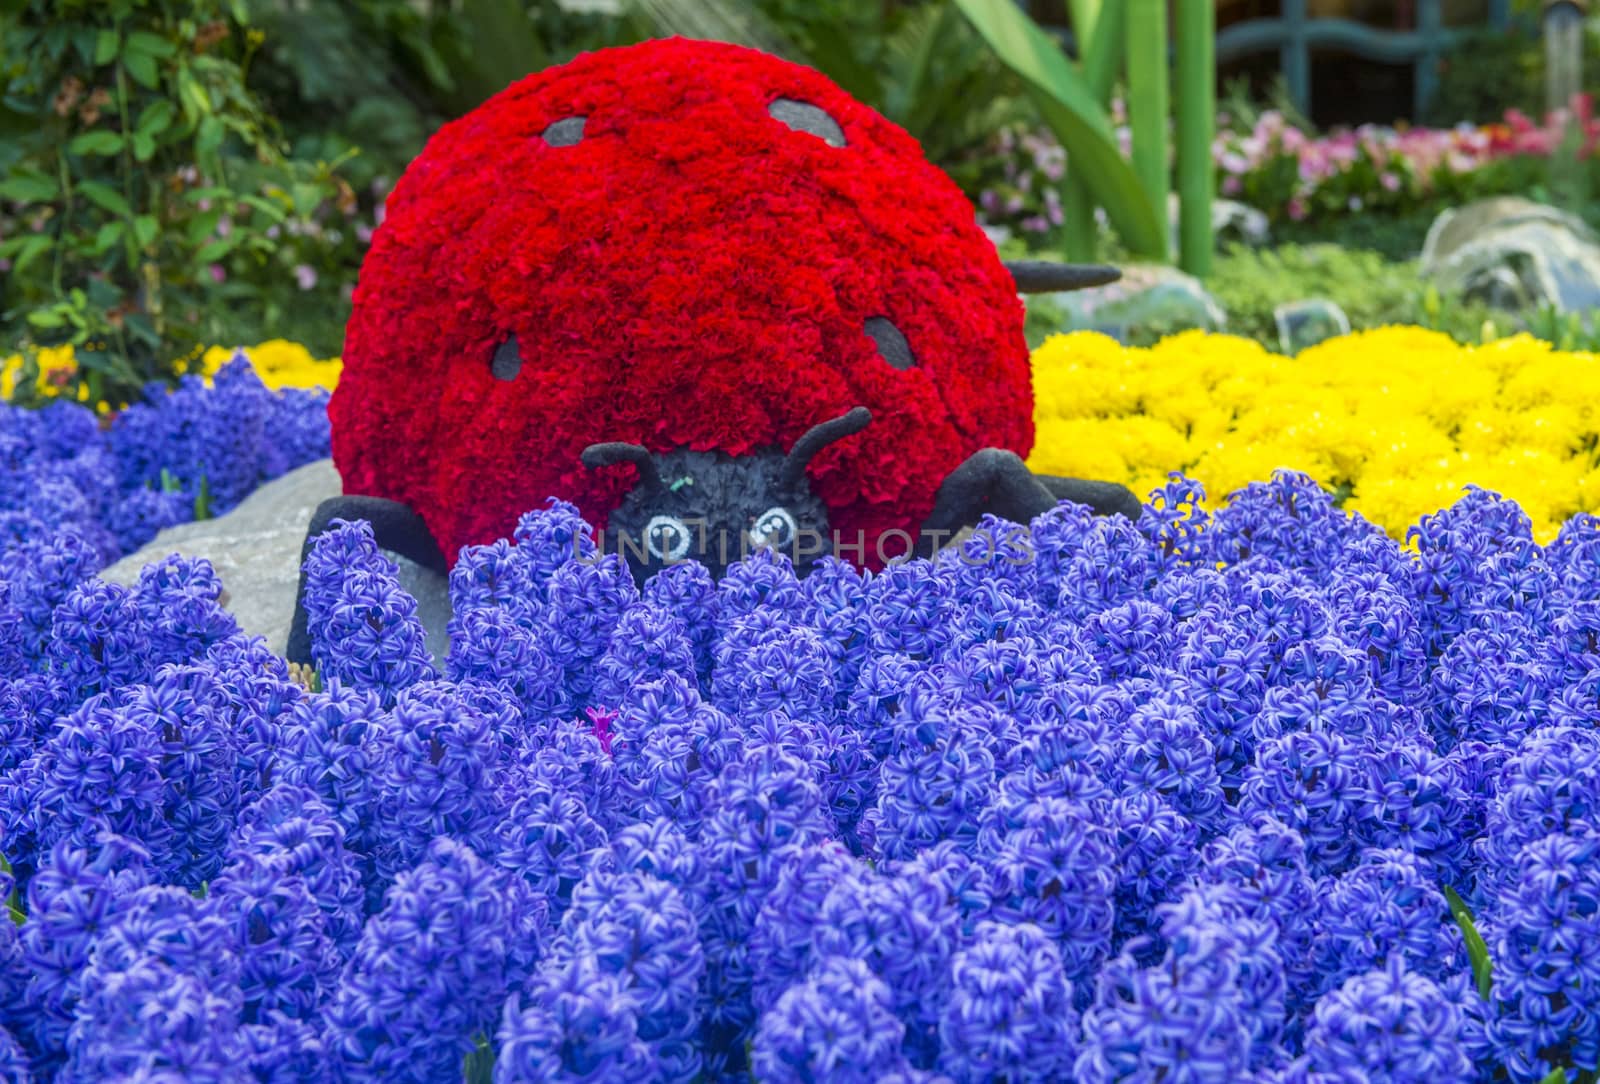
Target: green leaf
[(1557, 1076), (203, 225), (46, 318), (202, 500), (109, 235), (102, 195), (152, 45), (192, 96), (1477, 951), (83, 40), (142, 66), (266, 207), (29, 249), (1085, 16), (146, 230), (307, 197), (105, 46), (29, 188), (213, 251), (14, 902), (156, 118), (1068, 106), (478, 1066), (1103, 50), (97, 142), (144, 148), (209, 137)]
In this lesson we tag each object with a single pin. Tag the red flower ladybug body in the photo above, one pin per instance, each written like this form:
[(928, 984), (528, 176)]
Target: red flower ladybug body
[(705, 296), (678, 245)]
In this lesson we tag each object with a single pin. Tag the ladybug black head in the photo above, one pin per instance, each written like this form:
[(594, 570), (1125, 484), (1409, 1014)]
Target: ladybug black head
[(716, 508)]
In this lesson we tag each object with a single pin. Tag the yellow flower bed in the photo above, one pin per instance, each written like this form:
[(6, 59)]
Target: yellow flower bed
[(1400, 418), (279, 362)]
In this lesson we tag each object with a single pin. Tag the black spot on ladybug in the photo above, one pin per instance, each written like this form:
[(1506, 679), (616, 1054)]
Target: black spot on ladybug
[(892, 345), (507, 360), (805, 117), (565, 132)]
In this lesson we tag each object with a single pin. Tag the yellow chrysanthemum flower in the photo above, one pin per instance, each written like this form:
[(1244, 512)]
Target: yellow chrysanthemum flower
[(1401, 419), (279, 362)]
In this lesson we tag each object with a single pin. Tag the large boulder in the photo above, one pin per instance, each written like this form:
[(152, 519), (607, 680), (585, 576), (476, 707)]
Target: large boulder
[(1514, 254), (256, 551)]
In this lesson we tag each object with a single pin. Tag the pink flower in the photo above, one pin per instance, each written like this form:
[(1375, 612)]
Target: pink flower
[(1297, 208), (306, 276), (218, 273)]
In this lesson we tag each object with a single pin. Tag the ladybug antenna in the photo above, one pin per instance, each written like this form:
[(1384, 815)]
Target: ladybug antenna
[(1048, 277), (817, 438), (614, 452)]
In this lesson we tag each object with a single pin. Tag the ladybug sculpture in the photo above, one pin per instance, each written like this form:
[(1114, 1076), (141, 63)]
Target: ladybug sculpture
[(704, 295)]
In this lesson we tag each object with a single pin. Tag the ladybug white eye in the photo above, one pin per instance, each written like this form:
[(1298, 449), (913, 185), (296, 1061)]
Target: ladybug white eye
[(775, 527), (667, 538)]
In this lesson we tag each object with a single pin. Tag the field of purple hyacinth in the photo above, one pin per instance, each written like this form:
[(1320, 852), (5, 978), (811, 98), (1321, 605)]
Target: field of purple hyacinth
[(1211, 797), (115, 483)]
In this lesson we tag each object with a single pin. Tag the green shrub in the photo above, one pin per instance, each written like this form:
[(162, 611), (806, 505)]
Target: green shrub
[(1373, 291), (148, 204)]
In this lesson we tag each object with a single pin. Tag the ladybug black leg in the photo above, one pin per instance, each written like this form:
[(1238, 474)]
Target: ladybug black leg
[(395, 527), (998, 482)]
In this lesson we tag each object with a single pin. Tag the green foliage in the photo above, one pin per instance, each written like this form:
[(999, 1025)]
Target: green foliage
[(1239, 107), (1374, 292), (1486, 72), (1566, 330), (941, 83), (1396, 237), (149, 199), (1477, 951), (1067, 104), (478, 1066), (14, 906)]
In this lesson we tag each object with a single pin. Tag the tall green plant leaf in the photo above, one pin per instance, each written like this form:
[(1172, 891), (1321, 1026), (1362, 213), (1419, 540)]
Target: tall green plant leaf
[(1068, 106), (1103, 50), (1146, 45), (1085, 15), (1477, 951)]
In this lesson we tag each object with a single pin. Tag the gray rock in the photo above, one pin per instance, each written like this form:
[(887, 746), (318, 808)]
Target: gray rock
[(256, 551), (1306, 323), (1150, 301), (1514, 254)]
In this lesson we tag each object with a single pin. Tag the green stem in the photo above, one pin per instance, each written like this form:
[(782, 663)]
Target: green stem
[(130, 233), (1146, 44), (66, 215), (1197, 111), (1101, 50), (1078, 227)]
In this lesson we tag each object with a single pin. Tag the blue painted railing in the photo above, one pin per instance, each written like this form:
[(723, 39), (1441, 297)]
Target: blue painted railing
[(1293, 34)]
